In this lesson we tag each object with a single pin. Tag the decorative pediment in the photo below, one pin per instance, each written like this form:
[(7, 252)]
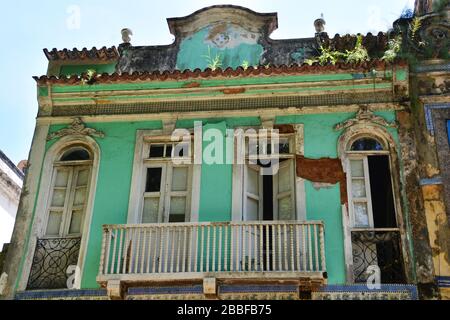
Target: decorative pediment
[(364, 115), (77, 128)]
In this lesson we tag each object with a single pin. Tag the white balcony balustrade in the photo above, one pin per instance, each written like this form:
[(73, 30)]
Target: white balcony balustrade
[(183, 251)]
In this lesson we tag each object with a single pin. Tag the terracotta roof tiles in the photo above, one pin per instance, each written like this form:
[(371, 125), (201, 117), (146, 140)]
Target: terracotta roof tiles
[(103, 54), (208, 73)]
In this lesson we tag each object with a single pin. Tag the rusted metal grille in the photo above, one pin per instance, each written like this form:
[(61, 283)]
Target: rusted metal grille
[(51, 261), (378, 248)]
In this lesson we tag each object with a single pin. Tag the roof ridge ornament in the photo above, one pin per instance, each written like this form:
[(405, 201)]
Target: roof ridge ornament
[(365, 115), (126, 35), (77, 128), (319, 24)]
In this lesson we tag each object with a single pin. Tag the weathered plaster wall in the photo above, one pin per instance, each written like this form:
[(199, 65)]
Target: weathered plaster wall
[(430, 109)]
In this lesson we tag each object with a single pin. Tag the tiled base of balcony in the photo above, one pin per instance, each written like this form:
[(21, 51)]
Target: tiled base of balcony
[(215, 284), (88, 294), (234, 292)]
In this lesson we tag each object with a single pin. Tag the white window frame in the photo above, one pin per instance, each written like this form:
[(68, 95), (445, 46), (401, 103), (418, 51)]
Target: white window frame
[(144, 138), (166, 193), (297, 184), (74, 167), (364, 155)]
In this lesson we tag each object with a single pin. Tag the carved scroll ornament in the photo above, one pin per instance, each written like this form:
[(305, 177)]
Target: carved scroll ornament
[(364, 115), (77, 128)]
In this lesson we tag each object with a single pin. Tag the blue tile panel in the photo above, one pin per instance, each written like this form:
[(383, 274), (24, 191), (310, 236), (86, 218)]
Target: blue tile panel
[(448, 131), (433, 181), (258, 288), (443, 282), (411, 289), (429, 117), (166, 290), (56, 294)]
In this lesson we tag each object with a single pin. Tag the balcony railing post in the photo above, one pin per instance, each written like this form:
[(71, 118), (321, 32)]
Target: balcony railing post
[(103, 252), (322, 248)]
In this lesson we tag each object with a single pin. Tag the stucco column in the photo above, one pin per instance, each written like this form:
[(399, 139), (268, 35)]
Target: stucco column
[(19, 241), (422, 254)]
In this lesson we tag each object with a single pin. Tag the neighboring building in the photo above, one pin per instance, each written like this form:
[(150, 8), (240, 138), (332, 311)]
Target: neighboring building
[(121, 202), (11, 179)]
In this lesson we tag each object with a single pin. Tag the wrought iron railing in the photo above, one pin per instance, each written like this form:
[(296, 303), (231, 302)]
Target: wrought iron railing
[(52, 259), (378, 247), (196, 248)]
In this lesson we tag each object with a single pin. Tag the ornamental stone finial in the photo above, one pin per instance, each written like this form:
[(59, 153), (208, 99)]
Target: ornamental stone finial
[(319, 24), (126, 35)]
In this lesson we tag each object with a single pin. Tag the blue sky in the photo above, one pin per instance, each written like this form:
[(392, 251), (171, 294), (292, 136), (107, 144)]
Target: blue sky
[(29, 26)]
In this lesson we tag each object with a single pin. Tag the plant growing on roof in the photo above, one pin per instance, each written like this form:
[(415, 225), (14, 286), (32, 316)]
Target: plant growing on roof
[(245, 64), (415, 26), (213, 63), (89, 77), (327, 56), (394, 48), (358, 54)]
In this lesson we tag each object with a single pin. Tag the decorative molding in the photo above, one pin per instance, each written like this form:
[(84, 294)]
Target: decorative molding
[(282, 103), (429, 116), (364, 115), (77, 128)]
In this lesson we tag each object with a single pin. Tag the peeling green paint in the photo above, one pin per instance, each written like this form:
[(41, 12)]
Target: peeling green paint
[(209, 83), (221, 93)]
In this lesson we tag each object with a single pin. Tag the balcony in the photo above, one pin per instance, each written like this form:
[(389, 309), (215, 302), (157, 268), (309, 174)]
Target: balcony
[(53, 257), (193, 252)]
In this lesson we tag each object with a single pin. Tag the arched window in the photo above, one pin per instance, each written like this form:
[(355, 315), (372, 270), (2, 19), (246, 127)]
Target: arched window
[(366, 144), (69, 192), (373, 237), (370, 184)]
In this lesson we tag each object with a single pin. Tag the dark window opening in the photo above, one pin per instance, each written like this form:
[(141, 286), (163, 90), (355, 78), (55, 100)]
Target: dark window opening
[(382, 196), (366, 144), (156, 151), (169, 151), (76, 155), (154, 176), (268, 198), (267, 216), (177, 218)]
